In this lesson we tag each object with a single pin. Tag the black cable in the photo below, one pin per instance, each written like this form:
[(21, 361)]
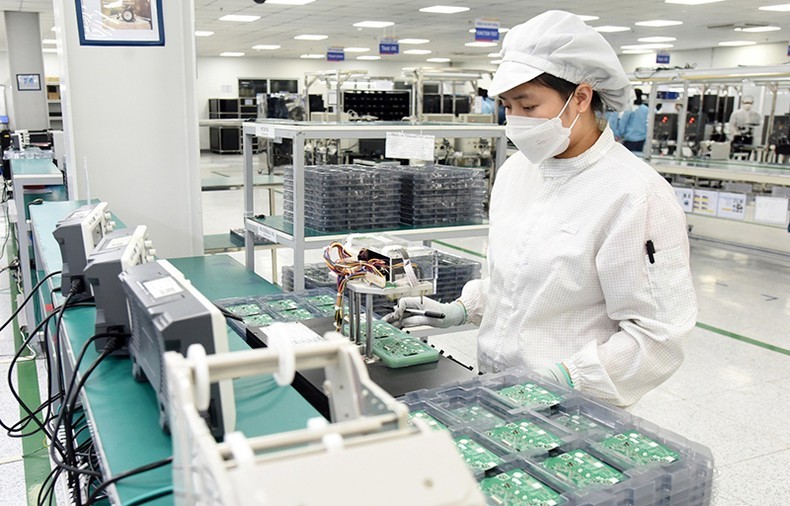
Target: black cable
[(148, 467), (27, 299), (228, 314)]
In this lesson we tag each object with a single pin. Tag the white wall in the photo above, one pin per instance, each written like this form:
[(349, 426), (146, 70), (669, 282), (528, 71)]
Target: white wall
[(27, 109), (719, 57), (131, 113)]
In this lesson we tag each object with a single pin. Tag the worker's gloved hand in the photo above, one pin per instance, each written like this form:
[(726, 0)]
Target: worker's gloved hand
[(410, 313), (558, 374)]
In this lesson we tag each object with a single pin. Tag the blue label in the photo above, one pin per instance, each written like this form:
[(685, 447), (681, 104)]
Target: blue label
[(387, 48), (486, 34), (335, 55), (662, 58)]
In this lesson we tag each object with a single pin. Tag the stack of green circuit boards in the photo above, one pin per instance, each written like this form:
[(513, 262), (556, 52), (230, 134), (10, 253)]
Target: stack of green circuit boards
[(531, 442)]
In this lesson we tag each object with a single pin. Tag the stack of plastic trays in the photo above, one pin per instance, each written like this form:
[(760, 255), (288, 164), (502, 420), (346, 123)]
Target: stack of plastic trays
[(454, 272), (528, 440), (318, 276), (344, 198), (441, 195)]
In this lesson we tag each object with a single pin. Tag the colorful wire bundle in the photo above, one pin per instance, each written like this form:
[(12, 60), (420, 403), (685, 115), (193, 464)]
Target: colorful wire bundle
[(347, 268)]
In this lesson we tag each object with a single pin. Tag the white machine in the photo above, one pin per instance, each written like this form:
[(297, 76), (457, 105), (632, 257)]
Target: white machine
[(369, 454)]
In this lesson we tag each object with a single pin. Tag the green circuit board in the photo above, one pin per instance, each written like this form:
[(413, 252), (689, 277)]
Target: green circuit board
[(322, 300), (476, 457), (582, 469), (432, 422), (524, 435), (282, 305), (296, 314), (380, 330), (476, 413), (576, 423), (244, 309), (639, 449), (326, 310), (258, 320), (530, 394), (397, 352), (517, 488)]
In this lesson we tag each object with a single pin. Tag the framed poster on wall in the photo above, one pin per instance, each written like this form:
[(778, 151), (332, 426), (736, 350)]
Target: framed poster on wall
[(28, 82), (120, 23)]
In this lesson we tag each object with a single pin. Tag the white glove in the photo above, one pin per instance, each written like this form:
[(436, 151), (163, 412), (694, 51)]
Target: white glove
[(558, 374), (405, 313)]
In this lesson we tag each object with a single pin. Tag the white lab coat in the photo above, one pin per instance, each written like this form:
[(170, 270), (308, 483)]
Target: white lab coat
[(570, 279)]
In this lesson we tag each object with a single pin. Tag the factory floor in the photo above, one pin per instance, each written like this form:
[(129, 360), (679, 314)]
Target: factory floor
[(731, 394)]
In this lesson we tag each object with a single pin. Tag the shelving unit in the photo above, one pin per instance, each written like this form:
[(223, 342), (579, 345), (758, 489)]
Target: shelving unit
[(300, 239), (54, 107), (225, 139)]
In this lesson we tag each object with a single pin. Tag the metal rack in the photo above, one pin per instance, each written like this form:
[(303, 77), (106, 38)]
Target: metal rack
[(274, 228)]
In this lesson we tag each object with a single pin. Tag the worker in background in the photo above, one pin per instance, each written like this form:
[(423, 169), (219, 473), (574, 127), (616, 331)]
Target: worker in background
[(742, 123), (632, 127), (486, 103), (588, 252), (613, 118)]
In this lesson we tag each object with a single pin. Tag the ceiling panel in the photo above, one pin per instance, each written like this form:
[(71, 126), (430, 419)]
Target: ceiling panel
[(280, 23)]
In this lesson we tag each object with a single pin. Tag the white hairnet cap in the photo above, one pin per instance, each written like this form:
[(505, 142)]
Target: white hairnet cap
[(561, 44)]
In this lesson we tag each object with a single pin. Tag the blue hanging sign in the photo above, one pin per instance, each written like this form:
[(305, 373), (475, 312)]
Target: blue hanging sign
[(335, 54), (486, 30), (389, 46), (662, 57)]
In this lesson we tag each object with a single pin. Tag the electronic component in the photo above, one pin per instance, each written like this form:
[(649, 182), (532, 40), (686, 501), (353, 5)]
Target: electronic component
[(582, 469), (524, 435), (517, 488), (321, 300), (244, 309), (639, 449), (282, 305), (431, 421), (476, 456), (117, 252), (77, 235), (168, 314), (258, 320), (530, 394), (475, 413), (398, 352), (408, 261), (294, 314), (576, 423)]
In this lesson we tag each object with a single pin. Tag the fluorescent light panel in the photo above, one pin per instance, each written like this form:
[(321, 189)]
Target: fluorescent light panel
[(240, 18), (587, 18), (368, 57), (776, 8), (444, 9), (308, 36), (691, 2), (266, 47), (413, 41), (737, 43), (356, 49), (312, 56), (611, 29), (438, 60), (647, 46), (496, 62), (657, 39), (49, 41), (373, 24), (203, 33), (417, 51), (494, 55), (758, 29), (49, 50), (658, 23), (638, 51), (480, 44), (232, 54)]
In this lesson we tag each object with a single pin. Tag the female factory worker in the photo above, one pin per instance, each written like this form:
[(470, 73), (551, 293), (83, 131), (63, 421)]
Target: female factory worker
[(588, 253)]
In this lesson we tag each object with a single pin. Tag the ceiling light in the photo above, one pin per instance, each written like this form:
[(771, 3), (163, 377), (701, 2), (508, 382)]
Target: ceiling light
[(241, 18), (480, 44), (638, 51), (444, 9), (587, 18), (494, 55), (647, 46), (438, 60), (308, 36), (290, 2), (373, 24), (49, 50), (657, 39), (414, 41), (234, 54), (312, 56), (756, 29), (658, 23), (49, 41), (611, 29), (776, 8), (357, 49), (203, 33), (266, 47), (496, 62), (368, 57), (736, 43), (692, 2), (417, 51)]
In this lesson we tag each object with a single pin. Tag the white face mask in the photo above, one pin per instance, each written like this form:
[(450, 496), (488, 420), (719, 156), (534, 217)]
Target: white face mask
[(539, 139), (747, 106)]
